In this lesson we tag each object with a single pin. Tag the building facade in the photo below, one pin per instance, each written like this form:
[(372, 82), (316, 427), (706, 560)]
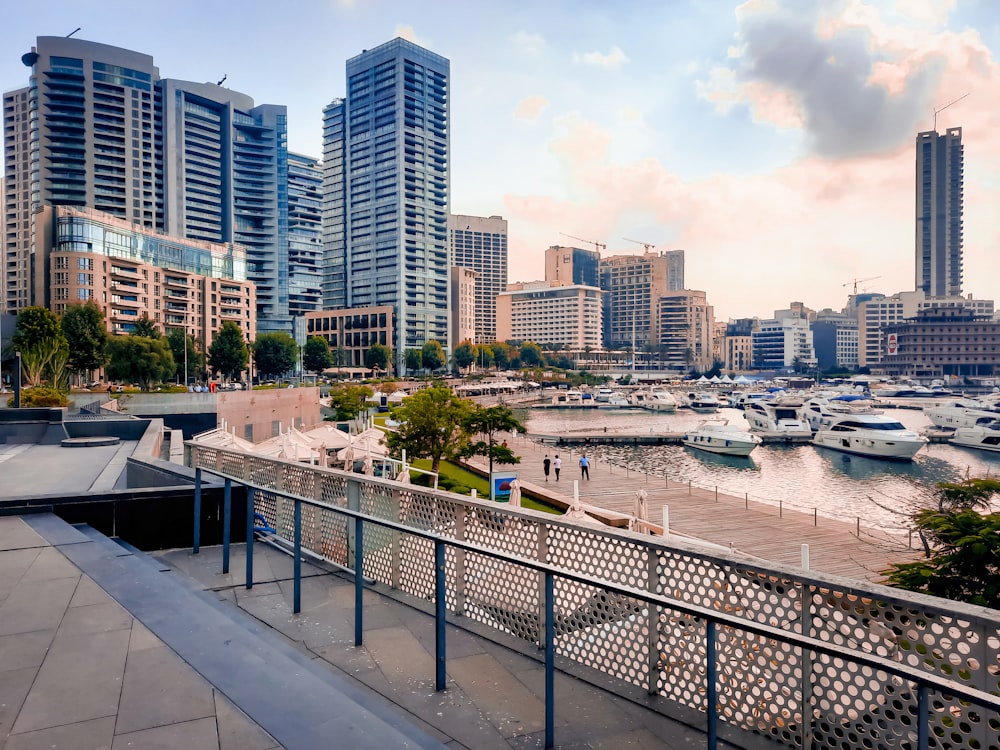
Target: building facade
[(572, 265), (479, 243), (85, 255), (351, 333), (563, 316), (632, 286), (939, 207), (305, 235), (98, 128), (781, 343), (464, 284), (686, 322), (386, 191), (945, 340), (835, 339)]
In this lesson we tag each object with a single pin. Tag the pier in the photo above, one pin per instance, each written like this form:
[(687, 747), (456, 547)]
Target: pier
[(647, 438)]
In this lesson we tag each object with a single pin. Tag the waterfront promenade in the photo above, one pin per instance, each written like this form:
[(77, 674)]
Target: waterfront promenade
[(768, 531)]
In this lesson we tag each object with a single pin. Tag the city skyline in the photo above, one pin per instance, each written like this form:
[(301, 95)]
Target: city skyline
[(679, 126)]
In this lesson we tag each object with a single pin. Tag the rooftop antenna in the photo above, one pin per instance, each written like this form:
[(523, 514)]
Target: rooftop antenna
[(223, 79), (73, 31), (942, 109)]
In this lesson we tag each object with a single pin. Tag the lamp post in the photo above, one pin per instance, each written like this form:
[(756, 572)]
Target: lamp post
[(249, 362)]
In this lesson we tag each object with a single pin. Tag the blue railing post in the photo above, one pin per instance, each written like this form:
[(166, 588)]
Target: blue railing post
[(440, 599), (711, 690), (297, 562), (550, 661), (227, 516), (923, 720), (197, 511), (250, 493), (359, 581)]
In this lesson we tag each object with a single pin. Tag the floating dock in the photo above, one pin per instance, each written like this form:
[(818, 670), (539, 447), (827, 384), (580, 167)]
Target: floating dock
[(649, 438)]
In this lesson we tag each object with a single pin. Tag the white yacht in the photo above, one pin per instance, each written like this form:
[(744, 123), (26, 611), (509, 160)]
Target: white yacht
[(822, 411), (660, 399), (777, 417), (964, 412), (703, 403), (718, 436), (984, 437), (604, 395), (873, 435), (616, 400)]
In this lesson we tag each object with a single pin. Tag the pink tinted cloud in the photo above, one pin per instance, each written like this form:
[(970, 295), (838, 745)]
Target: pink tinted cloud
[(530, 107)]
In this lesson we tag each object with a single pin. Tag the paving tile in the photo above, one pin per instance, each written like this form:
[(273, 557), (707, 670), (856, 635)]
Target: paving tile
[(14, 687), (159, 689), (236, 730), (509, 705), (191, 735), (142, 638), (22, 650), (88, 592), (50, 563), (14, 563), (95, 618), (16, 534), (96, 734), (82, 674), (36, 605)]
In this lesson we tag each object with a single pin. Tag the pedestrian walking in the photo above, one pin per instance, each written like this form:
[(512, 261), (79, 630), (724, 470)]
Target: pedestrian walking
[(546, 462), (584, 467), (557, 464)]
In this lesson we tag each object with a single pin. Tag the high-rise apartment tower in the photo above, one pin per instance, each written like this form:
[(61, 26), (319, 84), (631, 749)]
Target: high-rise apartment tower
[(940, 177), (480, 244), (386, 187)]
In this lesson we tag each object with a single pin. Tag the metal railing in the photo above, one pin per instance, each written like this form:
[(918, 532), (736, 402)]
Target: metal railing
[(807, 660)]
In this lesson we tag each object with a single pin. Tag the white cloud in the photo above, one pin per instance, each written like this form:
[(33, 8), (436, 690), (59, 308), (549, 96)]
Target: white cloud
[(405, 31), (528, 45), (530, 107), (613, 60)]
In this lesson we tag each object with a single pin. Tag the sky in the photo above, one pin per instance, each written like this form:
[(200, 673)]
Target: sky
[(771, 140)]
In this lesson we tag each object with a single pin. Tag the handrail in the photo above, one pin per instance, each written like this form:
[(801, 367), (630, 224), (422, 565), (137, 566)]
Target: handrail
[(714, 619)]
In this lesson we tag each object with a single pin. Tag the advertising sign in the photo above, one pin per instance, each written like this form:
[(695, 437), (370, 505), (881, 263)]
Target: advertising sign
[(892, 343), (500, 485)]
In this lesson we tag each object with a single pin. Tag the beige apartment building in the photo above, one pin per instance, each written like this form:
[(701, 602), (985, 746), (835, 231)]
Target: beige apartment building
[(351, 332), (685, 324), (567, 316), (82, 254), (464, 305)]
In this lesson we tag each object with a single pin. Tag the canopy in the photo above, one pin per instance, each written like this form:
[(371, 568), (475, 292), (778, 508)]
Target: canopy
[(219, 438), (703, 379), (371, 442), (326, 434)]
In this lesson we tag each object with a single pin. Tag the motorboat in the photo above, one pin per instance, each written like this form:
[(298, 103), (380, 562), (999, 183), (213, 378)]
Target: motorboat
[(821, 412), (718, 436), (873, 435), (964, 412), (703, 403), (985, 437), (660, 399), (893, 391), (741, 400), (615, 401), (778, 417), (604, 395)]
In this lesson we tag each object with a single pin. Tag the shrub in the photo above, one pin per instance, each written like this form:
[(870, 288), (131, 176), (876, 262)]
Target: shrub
[(40, 396)]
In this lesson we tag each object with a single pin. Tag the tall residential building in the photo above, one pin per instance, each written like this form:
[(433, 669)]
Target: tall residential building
[(939, 204), (98, 128), (632, 285), (572, 265), (386, 184), (480, 244), (463, 305), (305, 235), (685, 330)]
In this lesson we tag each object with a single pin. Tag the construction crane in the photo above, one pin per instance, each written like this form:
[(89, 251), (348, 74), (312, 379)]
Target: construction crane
[(597, 245), (647, 245), (855, 282)]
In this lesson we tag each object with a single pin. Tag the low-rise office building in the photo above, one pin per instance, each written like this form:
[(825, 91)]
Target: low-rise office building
[(943, 341), (351, 332)]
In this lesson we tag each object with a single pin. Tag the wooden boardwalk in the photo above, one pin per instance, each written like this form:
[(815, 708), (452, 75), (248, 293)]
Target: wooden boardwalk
[(759, 529)]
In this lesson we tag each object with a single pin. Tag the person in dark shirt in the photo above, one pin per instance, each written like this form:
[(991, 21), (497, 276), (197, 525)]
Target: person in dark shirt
[(545, 466)]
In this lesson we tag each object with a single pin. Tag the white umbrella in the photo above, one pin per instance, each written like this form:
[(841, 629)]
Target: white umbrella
[(403, 475), (515, 493), (368, 467), (348, 455), (641, 512)]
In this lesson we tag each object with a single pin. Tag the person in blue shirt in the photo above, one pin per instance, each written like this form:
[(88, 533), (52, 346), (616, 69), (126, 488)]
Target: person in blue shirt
[(585, 467)]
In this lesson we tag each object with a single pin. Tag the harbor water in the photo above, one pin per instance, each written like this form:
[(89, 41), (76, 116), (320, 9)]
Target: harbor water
[(800, 477)]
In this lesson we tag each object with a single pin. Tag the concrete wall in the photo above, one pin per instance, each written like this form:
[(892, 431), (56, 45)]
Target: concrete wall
[(257, 414)]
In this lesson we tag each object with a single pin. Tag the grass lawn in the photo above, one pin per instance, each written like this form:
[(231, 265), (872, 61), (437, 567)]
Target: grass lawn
[(457, 474)]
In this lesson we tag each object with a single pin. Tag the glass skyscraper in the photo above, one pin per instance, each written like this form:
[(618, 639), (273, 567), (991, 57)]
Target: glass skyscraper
[(386, 191), (305, 241), (939, 204), (98, 128)]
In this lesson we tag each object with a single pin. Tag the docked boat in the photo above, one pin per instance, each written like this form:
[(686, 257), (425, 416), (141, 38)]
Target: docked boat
[(615, 401), (984, 437), (778, 417), (961, 413), (604, 395), (718, 436), (872, 435), (704, 403), (660, 399), (820, 412)]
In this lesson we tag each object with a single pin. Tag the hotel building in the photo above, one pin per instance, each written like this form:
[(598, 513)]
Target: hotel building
[(632, 286), (566, 316)]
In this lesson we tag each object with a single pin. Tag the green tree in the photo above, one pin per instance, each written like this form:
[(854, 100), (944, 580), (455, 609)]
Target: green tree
[(275, 353), (316, 355), (137, 359), (432, 355), (432, 425), (531, 355), (36, 325), (464, 355), (349, 399), (190, 347), (414, 360), (228, 355), (488, 422), (86, 334), (484, 356), (146, 328), (501, 354), (378, 357)]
